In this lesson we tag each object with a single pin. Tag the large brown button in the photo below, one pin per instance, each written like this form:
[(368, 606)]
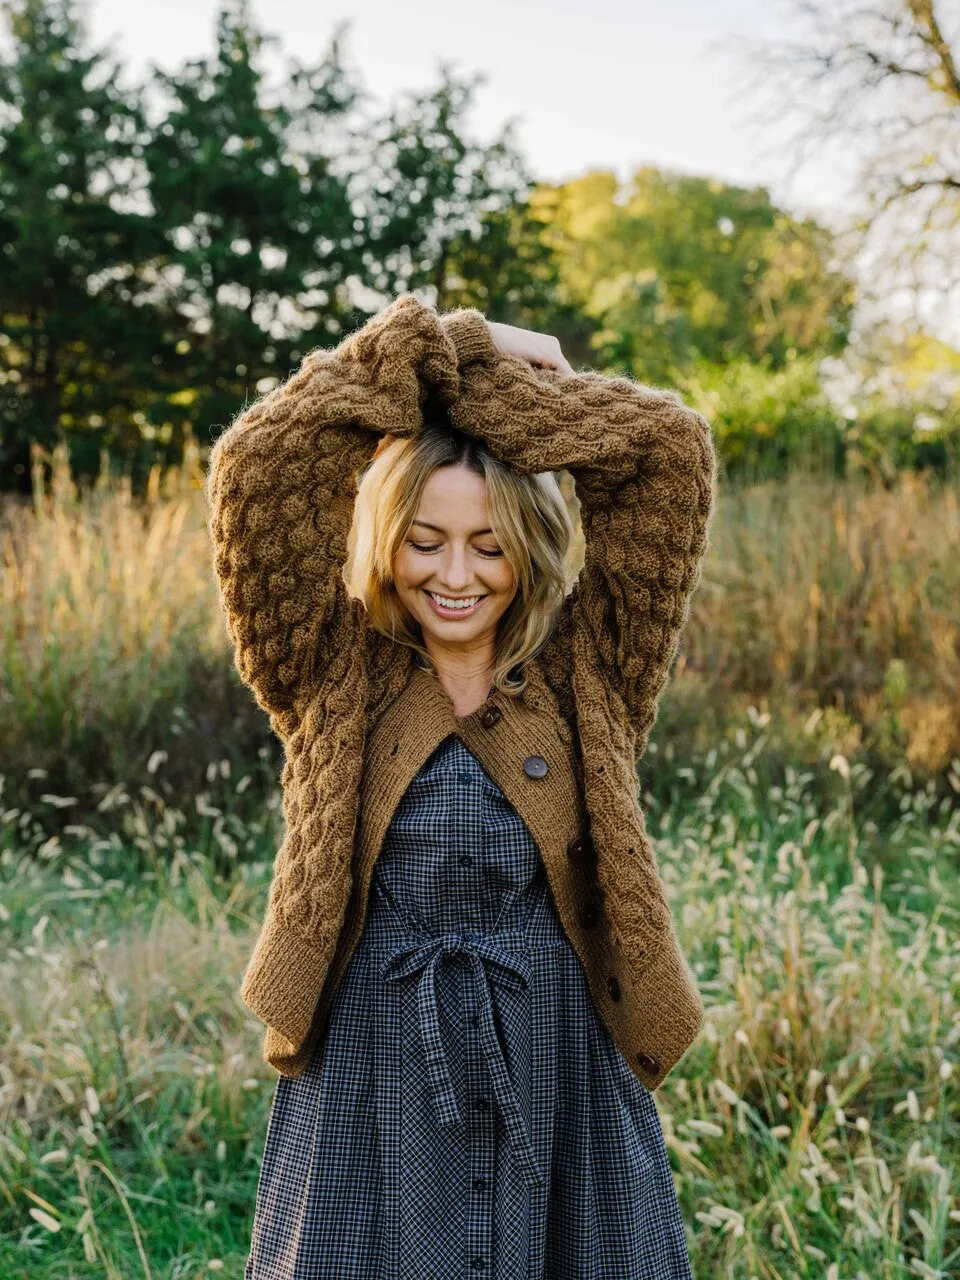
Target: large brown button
[(613, 986), (648, 1063), (535, 767), (489, 716)]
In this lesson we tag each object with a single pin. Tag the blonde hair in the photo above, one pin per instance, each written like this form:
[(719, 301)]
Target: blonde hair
[(528, 515)]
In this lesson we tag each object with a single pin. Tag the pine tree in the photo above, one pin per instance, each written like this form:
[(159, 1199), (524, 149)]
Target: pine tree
[(75, 351), (260, 235)]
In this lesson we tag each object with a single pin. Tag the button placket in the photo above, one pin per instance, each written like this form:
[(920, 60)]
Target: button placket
[(480, 1215)]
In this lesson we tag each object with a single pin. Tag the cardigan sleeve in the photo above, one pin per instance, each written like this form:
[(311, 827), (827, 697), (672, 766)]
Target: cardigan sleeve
[(644, 467), (280, 486)]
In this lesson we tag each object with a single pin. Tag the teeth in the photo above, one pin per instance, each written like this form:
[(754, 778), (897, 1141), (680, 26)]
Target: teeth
[(448, 603)]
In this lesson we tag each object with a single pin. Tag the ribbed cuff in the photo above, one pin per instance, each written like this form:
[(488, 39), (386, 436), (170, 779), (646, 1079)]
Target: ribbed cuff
[(468, 331), (283, 981), (667, 1013)]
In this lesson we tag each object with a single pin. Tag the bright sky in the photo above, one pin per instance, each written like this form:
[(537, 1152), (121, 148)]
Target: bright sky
[(592, 83)]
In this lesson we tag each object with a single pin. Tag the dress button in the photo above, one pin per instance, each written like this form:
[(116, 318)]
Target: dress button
[(466, 860), (648, 1063), (535, 767), (613, 986), (483, 1102), (474, 1020), (478, 1264), (479, 1184), (489, 716)]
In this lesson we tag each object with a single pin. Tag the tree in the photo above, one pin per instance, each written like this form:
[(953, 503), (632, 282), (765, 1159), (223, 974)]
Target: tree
[(676, 269), (72, 229), (881, 78), (260, 232), (450, 215)]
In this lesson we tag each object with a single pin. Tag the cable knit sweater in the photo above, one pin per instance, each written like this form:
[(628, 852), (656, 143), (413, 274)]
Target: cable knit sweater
[(357, 715)]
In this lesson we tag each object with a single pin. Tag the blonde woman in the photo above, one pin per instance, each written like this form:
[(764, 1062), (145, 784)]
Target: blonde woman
[(468, 971)]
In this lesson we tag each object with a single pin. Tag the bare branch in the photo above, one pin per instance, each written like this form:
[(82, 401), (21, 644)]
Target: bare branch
[(931, 33), (876, 83)]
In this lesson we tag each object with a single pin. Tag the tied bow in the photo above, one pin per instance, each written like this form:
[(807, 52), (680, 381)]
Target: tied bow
[(512, 971)]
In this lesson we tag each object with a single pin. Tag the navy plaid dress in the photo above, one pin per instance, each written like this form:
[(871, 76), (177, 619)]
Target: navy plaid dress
[(468, 1114)]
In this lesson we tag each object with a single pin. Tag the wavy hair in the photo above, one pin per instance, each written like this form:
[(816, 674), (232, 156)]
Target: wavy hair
[(528, 515)]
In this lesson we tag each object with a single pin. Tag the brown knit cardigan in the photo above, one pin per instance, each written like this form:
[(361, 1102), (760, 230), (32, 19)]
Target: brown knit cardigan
[(358, 716)]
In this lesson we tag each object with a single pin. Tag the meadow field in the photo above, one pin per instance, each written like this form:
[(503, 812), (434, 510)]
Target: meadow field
[(801, 789)]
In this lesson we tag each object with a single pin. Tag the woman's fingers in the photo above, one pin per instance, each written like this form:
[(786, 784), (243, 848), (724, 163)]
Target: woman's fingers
[(539, 349)]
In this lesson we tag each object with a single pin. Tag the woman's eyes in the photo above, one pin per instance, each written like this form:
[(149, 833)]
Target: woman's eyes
[(426, 548)]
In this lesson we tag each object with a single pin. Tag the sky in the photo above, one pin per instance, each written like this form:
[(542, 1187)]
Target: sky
[(591, 83)]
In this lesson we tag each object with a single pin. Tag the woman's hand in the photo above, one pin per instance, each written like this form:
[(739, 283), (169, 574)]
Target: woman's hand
[(538, 348)]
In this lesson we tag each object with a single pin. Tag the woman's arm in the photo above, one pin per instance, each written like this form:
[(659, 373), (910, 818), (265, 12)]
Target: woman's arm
[(281, 485), (644, 468)]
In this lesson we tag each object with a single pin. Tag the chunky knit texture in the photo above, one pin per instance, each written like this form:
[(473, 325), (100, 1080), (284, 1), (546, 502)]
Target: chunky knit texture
[(357, 716)]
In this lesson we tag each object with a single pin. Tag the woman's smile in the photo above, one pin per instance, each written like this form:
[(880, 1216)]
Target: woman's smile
[(456, 607)]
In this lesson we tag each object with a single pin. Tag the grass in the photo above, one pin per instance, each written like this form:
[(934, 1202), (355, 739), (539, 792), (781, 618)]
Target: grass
[(833, 606), (813, 1127), (801, 786)]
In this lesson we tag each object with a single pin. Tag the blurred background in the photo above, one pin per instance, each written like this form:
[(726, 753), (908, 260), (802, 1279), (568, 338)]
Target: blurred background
[(756, 203)]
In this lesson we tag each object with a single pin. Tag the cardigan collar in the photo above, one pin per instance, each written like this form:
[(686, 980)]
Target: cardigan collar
[(519, 739)]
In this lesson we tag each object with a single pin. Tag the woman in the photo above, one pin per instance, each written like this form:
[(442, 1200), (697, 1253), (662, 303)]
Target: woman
[(468, 970)]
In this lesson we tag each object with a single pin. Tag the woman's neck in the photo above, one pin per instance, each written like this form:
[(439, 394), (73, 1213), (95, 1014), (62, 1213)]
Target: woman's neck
[(466, 676)]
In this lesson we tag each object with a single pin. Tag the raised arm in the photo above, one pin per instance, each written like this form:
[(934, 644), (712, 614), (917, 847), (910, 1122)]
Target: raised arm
[(644, 468), (281, 484)]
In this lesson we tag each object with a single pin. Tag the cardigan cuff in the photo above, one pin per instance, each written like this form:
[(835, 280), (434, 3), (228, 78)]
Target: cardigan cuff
[(666, 1014), (283, 981), (467, 329)]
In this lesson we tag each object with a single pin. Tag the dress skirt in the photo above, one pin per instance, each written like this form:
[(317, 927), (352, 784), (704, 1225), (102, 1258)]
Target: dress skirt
[(468, 1114)]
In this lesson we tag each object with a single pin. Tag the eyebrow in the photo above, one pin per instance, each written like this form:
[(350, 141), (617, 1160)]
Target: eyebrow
[(424, 524)]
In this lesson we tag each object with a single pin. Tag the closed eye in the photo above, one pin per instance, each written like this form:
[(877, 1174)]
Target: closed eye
[(426, 548)]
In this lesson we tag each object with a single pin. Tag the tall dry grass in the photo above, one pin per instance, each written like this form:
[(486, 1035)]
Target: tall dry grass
[(837, 594), (834, 605)]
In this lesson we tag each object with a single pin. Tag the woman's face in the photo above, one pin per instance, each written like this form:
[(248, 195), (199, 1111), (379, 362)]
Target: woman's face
[(450, 571)]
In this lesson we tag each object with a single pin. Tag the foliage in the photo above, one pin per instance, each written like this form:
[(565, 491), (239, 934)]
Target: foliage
[(70, 239), (194, 252), (171, 249), (675, 270), (257, 226), (769, 421), (902, 391)]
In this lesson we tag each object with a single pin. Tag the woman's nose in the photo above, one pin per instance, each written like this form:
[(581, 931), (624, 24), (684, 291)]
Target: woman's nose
[(455, 570)]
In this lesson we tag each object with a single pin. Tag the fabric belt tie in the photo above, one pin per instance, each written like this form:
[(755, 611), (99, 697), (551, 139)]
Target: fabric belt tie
[(512, 971)]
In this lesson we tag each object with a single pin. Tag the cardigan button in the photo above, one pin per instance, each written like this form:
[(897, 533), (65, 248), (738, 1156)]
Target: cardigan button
[(576, 849), (613, 986), (535, 767), (649, 1063), (490, 716), (581, 849), (589, 915)]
